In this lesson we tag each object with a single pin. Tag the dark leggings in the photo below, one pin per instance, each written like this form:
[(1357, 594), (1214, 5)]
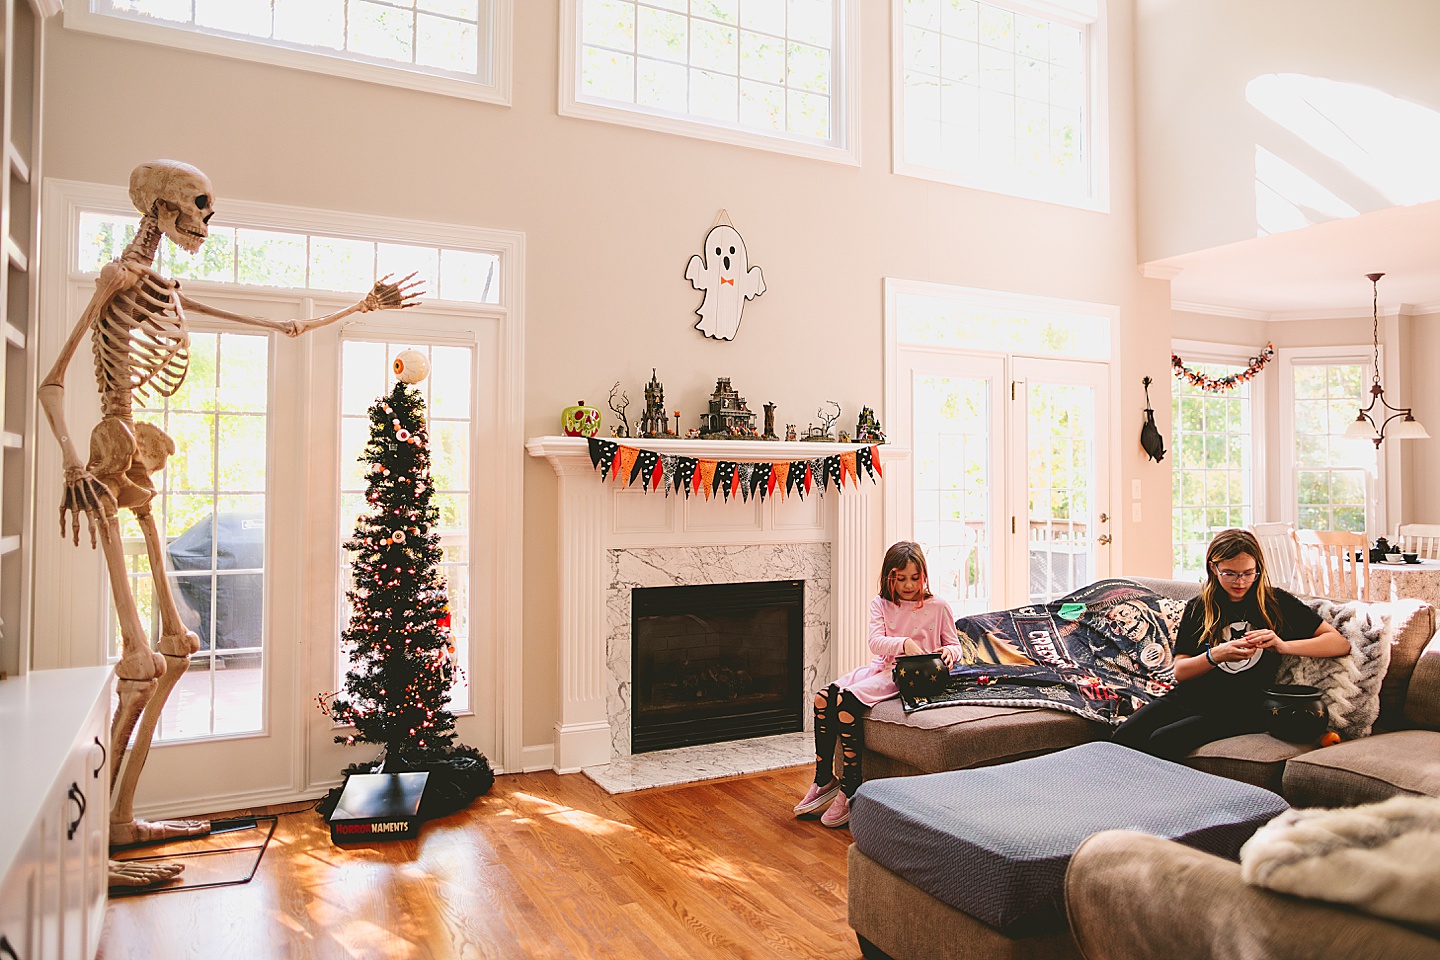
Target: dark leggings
[(1173, 726), (837, 716)]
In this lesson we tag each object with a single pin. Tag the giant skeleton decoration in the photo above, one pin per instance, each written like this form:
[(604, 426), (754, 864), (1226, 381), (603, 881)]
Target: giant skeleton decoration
[(137, 319)]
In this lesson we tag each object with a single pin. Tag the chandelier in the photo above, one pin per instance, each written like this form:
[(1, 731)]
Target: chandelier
[(1368, 425)]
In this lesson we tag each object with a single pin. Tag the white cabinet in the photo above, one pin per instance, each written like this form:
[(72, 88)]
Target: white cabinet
[(54, 832)]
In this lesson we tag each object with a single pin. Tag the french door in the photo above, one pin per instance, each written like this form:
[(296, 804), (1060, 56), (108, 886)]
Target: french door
[(1008, 479)]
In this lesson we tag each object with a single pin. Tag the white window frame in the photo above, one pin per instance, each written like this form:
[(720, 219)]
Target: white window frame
[(1203, 352), (79, 16), (1095, 135), (845, 97), (1386, 464)]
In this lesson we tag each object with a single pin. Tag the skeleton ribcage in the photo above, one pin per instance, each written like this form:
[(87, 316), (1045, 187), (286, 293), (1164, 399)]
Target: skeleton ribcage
[(141, 341)]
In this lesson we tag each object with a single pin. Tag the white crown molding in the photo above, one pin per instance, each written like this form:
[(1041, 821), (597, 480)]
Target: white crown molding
[(1216, 310), (1276, 316)]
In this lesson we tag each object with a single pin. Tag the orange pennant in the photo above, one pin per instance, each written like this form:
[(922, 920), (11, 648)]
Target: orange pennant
[(627, 463), (707, 476), (779, 477), (875, 460), (847, 468)]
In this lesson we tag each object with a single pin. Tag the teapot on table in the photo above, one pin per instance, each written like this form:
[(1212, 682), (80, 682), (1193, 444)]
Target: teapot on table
[(1381, 549)]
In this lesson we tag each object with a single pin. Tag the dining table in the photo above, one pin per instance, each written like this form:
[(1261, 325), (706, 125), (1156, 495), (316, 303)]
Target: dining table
[(1400, 581)]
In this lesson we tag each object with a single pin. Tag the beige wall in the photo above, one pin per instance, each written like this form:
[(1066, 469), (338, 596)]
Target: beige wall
[(1421, 458), (611, 215), (1198, 134)]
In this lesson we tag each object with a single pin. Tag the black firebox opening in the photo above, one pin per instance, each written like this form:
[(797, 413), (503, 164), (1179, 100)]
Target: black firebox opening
[(716, 662)]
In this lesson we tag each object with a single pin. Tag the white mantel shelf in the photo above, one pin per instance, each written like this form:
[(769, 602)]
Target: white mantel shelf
[(595, 517)]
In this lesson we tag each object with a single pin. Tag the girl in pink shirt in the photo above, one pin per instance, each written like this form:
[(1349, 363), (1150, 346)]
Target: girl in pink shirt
[(906, 618)]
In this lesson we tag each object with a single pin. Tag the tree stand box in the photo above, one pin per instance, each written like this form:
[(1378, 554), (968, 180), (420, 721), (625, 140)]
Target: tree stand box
[(378, 806)]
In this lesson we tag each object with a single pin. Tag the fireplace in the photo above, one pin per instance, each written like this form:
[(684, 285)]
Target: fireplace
[(716, 662)]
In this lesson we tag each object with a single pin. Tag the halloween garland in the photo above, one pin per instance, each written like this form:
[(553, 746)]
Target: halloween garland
[(730, 478), (1228, 382)]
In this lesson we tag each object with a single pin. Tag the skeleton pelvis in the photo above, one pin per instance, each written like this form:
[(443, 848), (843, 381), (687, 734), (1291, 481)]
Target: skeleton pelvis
[(125, 456)]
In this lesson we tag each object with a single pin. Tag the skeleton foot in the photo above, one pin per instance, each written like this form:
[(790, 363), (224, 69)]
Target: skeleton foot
[(154, 831), (128, 874)]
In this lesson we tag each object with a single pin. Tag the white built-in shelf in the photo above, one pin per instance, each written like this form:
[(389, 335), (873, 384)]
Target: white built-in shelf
[(15, 255), (11, 441), (14, 336), (19, 169)]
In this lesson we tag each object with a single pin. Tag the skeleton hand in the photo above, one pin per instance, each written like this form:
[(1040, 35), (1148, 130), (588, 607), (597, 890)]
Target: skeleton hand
[(390, 296), (85, 494)]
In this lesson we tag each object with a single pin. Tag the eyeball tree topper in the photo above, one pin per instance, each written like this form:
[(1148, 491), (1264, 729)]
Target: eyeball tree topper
[(722, 269)]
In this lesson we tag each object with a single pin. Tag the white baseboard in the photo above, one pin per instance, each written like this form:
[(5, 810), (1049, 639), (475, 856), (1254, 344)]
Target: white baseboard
[(538, 757)]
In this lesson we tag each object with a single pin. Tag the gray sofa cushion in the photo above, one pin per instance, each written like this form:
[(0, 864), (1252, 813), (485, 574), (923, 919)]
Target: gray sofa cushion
[(957, 738), (1367, 770), (1256, 758), (995, 842)]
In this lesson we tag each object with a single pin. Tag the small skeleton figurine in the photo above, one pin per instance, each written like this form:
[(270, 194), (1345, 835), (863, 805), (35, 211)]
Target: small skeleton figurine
[(141, 344)]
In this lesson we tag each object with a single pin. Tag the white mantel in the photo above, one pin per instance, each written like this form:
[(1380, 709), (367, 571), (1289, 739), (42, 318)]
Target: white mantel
[(597, 517)]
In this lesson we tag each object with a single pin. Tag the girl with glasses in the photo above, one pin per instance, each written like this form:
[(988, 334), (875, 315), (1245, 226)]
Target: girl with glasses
[(1227, 652)]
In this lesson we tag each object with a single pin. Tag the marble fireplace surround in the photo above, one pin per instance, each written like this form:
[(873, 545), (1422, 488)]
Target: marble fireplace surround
[(688, 566), (612, 539)]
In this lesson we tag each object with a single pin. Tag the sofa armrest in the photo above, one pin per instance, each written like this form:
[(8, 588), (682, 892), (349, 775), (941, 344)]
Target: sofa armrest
[(1422, 698), (1132, 896)]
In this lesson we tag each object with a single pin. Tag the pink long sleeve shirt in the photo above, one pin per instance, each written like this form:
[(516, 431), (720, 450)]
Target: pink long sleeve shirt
[(930, 623)]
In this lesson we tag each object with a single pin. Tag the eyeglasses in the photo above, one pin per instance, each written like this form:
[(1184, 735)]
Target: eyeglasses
[(1235, 576)]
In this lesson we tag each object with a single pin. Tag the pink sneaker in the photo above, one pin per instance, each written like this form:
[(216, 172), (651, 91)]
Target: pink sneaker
[(816, 797), (839, 813)]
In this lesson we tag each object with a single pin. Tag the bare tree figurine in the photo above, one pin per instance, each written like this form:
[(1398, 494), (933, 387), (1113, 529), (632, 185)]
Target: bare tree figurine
[(141, 342), (826, 423), (623, 430)]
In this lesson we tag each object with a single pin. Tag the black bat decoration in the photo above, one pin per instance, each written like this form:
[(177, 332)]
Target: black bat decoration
[(1150, 438)]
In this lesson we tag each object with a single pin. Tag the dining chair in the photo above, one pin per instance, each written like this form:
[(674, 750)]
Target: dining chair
[(1333, 564), (1277, 542), (1421, 538)]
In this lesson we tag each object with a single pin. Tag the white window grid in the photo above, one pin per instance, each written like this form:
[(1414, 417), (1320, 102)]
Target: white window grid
[(774, 74), (238, 255), (454, 47), (1001, 95), (1334, 476), (1212, 481)]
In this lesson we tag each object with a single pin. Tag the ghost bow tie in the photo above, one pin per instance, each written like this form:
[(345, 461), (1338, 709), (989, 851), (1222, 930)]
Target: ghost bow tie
[(731, 282)]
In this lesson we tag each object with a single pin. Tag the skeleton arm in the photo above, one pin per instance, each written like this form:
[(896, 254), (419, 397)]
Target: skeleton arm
[(383, 296), (83, 493)]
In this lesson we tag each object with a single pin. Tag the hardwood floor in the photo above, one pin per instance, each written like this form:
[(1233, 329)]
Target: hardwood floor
[(543, 866)]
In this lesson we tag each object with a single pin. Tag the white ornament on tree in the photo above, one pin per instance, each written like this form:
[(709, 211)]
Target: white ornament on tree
[(411, 366)]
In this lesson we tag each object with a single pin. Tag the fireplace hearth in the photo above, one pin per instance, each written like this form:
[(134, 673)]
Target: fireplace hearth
[(716, 662)]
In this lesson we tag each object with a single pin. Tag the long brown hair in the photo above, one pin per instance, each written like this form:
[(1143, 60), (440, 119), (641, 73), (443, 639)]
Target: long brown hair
[(897, 558), (1227, 545)]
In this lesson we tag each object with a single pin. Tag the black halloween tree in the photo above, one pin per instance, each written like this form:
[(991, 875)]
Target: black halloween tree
[(402, 657)]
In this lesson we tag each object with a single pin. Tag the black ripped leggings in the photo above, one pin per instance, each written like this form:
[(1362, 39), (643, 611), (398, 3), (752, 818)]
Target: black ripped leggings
[(837, 717)]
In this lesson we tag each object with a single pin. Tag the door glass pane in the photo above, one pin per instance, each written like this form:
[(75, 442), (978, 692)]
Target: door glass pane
[(1061, 468), (366, 377), (210, 509), (952, 488)]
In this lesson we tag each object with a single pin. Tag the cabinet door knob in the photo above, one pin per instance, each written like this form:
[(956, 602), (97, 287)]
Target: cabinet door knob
[(104, 756), (78, 797)]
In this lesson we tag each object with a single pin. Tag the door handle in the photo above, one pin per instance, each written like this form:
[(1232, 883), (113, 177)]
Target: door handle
[(1103, 539), (1104, 518), (104, 755), (78, 797)]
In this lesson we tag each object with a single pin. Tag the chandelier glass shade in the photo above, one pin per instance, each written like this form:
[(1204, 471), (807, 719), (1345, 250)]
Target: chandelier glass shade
[(1372, 423)]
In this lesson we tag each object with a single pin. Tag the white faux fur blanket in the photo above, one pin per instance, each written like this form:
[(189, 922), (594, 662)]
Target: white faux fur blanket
[(1382, 858)]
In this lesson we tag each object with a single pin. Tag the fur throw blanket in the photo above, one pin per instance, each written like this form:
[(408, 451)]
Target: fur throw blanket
[(1381, 858), (1349, 686)]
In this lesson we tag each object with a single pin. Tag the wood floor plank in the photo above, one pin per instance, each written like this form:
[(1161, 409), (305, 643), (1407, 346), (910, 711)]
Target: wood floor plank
[(544, 866)]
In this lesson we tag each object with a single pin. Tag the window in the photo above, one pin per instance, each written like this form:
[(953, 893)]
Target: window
[(937, 315), (1212, 481), (366, 377), (210, 514), (459, 47), (1334, 476), (775, 74), (1002, 96)]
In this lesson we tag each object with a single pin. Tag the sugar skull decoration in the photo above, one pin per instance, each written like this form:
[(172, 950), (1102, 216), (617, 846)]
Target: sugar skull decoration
[(580, 420), (722, 269), (411, 366)]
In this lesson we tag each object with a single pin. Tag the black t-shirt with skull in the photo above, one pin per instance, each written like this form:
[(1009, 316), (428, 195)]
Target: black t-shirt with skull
[(1246, 678)]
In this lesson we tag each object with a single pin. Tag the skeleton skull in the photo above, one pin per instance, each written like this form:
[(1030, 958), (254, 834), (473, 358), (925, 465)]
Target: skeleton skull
[(179, 196)]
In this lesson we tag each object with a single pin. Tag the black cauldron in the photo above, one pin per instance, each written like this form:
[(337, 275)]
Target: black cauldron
[(1295, 712), (921, 676)]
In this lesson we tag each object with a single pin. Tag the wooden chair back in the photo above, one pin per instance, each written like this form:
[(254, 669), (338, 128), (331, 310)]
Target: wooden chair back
[(1277, 542), (1333, 564), (1421, 538)]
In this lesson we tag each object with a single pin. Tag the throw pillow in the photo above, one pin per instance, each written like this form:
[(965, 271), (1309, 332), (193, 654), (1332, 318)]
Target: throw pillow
[(1350, 685), (1379, 858)]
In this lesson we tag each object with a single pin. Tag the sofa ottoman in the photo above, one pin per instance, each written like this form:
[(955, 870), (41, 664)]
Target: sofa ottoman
[(993, 843)]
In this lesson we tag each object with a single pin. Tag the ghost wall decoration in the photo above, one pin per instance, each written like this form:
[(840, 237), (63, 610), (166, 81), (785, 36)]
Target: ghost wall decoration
[(722, 270)]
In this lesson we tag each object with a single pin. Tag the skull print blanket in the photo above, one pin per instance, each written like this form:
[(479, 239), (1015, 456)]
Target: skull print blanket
[(1101, 652)]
